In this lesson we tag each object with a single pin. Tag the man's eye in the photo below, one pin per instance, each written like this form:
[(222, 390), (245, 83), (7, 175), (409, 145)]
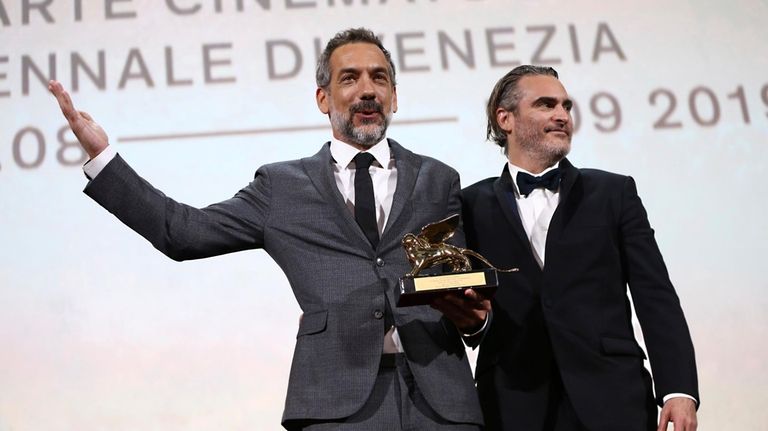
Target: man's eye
[(544, 104)]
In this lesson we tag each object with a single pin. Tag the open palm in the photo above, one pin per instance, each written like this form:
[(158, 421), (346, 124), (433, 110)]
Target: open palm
[(92, 137)]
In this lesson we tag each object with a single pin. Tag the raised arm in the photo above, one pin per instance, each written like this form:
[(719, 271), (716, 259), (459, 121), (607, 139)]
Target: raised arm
[(179, 231)]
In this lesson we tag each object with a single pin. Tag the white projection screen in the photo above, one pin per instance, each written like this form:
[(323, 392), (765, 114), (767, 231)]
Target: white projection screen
[(99, 331)]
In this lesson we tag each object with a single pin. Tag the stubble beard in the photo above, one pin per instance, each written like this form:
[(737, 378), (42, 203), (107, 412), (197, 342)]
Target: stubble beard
[(538, 147)]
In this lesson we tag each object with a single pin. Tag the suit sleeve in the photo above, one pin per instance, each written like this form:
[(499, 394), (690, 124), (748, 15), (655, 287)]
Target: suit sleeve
[(658, 308), (455, 207), (180, 231)]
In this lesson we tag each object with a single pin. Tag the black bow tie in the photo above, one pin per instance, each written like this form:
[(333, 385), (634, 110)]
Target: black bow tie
[(526, 183)]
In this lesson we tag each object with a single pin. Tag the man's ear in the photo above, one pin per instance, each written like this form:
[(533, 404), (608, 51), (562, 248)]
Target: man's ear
[(505, 119), (394, 99), (321, 96)]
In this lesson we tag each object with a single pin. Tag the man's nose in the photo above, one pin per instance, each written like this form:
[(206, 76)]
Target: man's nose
[(367, 90), (561, 114)]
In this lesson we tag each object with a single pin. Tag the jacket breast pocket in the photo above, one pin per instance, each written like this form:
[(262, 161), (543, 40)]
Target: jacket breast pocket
[(613, 346), (312, 323)]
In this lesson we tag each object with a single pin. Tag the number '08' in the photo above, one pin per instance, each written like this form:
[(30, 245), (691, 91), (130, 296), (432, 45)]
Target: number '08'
[(29, 148)]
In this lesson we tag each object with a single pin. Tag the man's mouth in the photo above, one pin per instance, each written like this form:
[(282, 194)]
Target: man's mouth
[(368, 114), (367, 110), (557, 130)]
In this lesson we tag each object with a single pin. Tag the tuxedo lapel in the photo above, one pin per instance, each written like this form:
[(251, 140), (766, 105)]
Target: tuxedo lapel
[(320, 172), (408, 165), (570, 196), (505, 194)]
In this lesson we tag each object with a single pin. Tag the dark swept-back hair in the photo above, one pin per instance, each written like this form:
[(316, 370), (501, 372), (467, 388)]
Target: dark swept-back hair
[(352, 35), (506, 95)]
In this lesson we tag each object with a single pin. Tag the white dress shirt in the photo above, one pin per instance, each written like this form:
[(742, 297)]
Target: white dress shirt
[(384, 177), (535, 211), (95, 165)]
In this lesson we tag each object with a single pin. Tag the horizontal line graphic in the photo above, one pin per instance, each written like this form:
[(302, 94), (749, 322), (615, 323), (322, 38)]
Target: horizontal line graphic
[(287, 129)]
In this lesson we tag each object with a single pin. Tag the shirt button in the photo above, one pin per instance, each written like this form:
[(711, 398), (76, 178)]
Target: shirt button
[(378, 314), (379, 262)]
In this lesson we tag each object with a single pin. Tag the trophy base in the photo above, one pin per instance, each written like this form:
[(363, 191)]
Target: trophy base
[(423, 289)]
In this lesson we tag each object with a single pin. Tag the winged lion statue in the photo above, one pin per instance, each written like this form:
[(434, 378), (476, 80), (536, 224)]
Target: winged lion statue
[(429, 248)]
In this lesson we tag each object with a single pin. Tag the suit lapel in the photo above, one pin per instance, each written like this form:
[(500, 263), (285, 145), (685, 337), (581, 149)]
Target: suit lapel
[(408, 165), (570, 196), (505, 194), (320, 172)]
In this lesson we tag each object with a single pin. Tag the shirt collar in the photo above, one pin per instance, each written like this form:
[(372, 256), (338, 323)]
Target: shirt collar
[(343, 153), (513, 170)]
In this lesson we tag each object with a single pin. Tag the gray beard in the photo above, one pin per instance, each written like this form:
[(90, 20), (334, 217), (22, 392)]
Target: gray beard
[(367, 135)]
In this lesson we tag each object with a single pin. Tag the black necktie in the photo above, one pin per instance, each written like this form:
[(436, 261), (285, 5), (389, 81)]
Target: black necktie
[(526, 183), (365, 205)]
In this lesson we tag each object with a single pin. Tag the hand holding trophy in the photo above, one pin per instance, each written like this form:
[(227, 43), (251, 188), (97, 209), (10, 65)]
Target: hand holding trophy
[(428, 249)]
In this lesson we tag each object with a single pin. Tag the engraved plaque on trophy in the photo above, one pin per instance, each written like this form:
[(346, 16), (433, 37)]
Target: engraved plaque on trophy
[(428, 249)]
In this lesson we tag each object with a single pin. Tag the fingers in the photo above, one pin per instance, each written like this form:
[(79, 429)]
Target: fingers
[(466, 310), (65, 102), (477, 300), (452, 305), (683, 421), (58, 91), (455, 302), (663, 420), (681, 412), (91, 136)]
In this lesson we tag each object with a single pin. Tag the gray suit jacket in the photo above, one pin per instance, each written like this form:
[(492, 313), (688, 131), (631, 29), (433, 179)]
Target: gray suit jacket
[(295, 212)]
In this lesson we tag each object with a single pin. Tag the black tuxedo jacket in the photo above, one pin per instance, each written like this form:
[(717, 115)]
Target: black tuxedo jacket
[(573, 317)]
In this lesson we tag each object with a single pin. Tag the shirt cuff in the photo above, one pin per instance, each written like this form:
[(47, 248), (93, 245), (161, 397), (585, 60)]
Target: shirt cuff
[(95, 165), (479, 331), (678, 395)]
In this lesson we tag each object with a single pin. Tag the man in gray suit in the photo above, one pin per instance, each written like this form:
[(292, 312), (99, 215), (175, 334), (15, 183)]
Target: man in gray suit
[(333, 222)]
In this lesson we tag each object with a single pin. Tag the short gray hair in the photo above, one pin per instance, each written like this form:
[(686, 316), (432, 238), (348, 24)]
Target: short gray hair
[(352, 35)]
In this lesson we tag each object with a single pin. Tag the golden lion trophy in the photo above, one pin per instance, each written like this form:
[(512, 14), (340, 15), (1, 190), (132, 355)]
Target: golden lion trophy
[(428, 249)]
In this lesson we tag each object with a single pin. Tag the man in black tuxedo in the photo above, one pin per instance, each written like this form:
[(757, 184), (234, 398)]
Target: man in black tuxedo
[(561, 353)]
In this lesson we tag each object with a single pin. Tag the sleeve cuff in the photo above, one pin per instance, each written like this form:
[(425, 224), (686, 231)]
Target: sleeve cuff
[(479, 331), (95, 165), (679, 395)]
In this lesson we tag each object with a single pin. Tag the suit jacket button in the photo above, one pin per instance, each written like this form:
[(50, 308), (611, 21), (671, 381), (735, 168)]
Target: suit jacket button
[(548, 303), (379, 262), (378, 314)]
